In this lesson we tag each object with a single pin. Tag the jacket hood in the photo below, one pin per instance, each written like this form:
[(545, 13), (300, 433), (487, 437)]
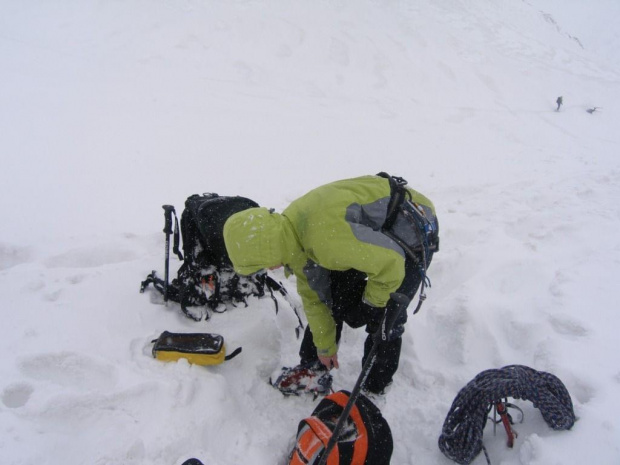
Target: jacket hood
[(255, 240)]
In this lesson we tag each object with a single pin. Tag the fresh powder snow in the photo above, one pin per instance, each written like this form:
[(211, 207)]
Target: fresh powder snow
[(109, 109)]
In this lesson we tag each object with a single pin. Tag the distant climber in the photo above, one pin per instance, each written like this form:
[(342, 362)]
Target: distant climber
[(559, 101), (592, 110)]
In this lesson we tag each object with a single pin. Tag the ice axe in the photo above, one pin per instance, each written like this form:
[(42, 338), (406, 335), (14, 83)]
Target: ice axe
[(398, 303)]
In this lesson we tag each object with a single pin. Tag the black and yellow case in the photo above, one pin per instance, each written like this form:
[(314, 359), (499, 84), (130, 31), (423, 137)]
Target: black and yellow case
[(196, 348)]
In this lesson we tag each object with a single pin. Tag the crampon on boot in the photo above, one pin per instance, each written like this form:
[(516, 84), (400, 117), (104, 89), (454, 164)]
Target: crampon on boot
[(310, 378)]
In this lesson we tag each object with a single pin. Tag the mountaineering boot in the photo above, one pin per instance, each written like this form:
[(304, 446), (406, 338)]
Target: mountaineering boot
[(308, 378)]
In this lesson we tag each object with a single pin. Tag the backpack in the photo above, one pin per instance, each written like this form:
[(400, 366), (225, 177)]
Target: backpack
[(366, 439), (206, 277), (413, 227)]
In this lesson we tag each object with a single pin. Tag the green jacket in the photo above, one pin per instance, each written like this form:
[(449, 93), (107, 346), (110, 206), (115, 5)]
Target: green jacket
[(333, 227)]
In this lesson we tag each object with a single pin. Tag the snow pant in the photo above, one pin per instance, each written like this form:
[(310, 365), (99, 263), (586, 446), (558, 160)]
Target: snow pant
[(347, 288)]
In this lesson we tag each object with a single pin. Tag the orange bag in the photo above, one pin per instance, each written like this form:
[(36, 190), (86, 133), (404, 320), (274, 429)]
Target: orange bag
[(365, 440)]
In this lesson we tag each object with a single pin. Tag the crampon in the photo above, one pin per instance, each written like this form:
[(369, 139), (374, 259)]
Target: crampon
[(303, 379)]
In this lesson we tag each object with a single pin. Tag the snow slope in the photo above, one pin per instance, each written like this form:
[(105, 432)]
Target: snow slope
[(110, 109)]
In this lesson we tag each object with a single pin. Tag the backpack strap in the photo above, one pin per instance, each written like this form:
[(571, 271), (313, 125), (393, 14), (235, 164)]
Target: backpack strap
[(398, 193), (234, 353), (273, 285), (158, 283)]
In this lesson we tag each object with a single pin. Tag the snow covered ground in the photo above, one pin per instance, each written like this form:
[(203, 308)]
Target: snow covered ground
[(110, 109)]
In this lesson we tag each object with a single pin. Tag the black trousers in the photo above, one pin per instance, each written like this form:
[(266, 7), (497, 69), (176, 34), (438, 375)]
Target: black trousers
[(347, 289)]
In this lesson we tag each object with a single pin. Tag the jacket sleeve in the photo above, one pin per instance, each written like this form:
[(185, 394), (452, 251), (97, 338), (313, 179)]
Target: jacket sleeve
[(313, 286)]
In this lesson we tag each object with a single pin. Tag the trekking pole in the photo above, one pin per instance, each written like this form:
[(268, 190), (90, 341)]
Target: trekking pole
[(168, 211), (387, 323)]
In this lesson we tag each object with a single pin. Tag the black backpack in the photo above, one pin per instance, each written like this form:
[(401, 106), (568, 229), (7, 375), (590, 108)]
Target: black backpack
[(207, 278)]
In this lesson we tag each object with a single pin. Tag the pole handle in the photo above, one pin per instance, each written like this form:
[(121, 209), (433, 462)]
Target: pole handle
[(168, 211)]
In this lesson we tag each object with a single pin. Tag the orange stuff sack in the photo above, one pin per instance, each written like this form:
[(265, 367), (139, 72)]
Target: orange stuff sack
[(366, 438)]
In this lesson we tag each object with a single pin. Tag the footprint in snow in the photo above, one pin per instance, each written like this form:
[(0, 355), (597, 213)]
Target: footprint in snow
[(17, 395), (567, 326), (70, 369)]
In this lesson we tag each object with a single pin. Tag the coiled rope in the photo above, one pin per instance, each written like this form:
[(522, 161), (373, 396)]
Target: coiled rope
[(461, 435)]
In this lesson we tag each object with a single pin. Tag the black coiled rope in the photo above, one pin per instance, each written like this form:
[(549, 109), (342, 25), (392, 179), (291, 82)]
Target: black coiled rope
[(461, 435)]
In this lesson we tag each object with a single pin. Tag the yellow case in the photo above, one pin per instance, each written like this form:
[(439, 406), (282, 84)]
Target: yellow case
[(196, 348)]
